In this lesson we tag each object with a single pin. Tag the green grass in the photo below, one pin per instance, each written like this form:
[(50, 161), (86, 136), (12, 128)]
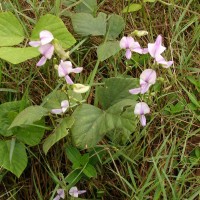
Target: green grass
[(157, 162)]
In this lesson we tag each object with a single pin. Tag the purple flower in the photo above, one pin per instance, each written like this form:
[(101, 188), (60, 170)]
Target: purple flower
[(65, 68), (130, 45), (147, 78), (64, 107), (45, 46), (141, 109), (61, 194), (74, 192), (163, 62), (155, 49)]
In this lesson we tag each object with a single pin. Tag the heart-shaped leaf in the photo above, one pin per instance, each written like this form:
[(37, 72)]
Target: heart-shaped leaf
[(85, 24), (16, 55), (11, 31), (19, 158), (56, 26)]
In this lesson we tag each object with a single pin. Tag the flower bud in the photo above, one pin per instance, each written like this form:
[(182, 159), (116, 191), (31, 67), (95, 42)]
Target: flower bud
[(80, 88), (139, 33)]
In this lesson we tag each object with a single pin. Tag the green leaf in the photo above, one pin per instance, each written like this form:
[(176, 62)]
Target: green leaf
[(89, 127), (86, 6), (60, 132), (73, 154), (107, 49), (19, 157), (115, 26), (132, 8), (54, 99), (85, 159), (90, 171), (16, 55), (73, 177), (91, 123), (29, 116), (30, 135), (115, 90), (56, 26), (8, 112), (85, 24), (11, 31)]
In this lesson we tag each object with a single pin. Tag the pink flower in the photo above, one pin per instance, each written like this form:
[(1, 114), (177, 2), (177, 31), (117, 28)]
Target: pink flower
[(61, 194), (62, 109), (147, 78), (141, 109), (45, 46), (65, 68), (74, 192), (130, 45), (155, 49)]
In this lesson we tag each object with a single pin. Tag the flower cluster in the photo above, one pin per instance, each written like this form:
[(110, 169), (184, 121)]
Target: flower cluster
[(46, 47), (148, 76)]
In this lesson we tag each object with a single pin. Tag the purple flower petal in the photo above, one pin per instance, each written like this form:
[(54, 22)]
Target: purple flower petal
[(141, 108), (166, 64), (42, 61), (135, 91), (156, 48), (47, 50), (144, 88), (135, 46), (77, 70), (148, 76), (46, 37), (57, 197), (57, 111), (122, 43), (73, 192), (35, 43), (64, 105), (61, 193), (69, 80), (145, 51), (82, 191), (128, 54), (143, 120)]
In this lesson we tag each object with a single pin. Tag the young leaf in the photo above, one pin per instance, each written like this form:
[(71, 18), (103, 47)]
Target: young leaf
[(29, 116), (85, 24), (115, 26), (19, 157), (107, 49), (86, 6), (132, 8), (60, 132), (115, 90), (11, 31), (16, 55), (56, 26)]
